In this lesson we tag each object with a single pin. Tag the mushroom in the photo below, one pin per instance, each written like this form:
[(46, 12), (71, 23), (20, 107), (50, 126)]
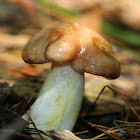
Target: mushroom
[(73, 49)]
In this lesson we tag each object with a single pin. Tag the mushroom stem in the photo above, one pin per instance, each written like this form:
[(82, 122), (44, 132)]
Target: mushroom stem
[(60, 99)]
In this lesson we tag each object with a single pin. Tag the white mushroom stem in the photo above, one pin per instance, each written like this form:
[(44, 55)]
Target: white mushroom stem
[(60, 99)]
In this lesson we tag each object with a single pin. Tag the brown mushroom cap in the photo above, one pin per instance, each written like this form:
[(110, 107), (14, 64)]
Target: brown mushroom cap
[(75, 44)]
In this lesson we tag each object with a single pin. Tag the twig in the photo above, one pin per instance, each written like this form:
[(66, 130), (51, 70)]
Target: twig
[(102, 92), (34, 125), (104, 131), (83, 132), (132, 109), (93, 105), (28, 103), (95, 138), (126, 122)]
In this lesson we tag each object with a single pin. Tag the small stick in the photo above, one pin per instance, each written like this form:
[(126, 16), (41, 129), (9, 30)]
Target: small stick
[(93, 105), (29, 101), (132, 109), (83, 132), (102, 92), (100, 129), (34, 125)]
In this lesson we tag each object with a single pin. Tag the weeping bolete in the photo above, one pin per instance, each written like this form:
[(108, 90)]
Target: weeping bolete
[(73, 49)]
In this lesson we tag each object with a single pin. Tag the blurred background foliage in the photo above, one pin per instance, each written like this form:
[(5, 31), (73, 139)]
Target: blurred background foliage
[(118, 21)]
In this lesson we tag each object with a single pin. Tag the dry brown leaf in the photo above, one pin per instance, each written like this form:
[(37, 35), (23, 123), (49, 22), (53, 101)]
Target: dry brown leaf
[(12, 41), (62, 135)]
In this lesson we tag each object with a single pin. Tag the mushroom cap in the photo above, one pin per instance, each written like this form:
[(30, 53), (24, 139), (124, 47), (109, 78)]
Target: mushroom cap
[(82, 48)]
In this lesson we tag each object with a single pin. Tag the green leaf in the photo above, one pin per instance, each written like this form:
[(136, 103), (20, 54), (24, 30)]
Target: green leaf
[(121, 33), (57, 8)]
